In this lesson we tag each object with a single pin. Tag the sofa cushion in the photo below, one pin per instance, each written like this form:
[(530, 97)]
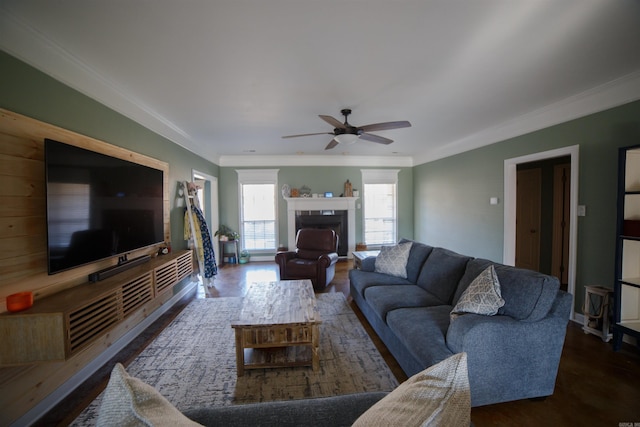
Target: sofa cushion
[(441, 273), (361, 280), (423, 331), (128, 401), (392, 260), (383, 299), (483, 296), (437, 396), (340, 410), (417, 256), (528, 295)]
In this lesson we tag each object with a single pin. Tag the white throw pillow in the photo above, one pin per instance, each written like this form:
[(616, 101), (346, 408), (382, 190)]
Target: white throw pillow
[(128, 401), (483, 296), (392, 260), (437, 396)]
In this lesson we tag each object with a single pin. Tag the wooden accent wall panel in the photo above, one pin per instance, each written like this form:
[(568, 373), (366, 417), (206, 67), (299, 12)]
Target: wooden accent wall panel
[(23, 265)]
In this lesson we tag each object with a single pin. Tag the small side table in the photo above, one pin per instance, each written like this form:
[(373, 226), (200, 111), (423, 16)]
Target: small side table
[(223, 251), (596, 311), (358, 256)]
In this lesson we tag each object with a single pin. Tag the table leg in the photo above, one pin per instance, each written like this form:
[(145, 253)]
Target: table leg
[(315, 345), (239, 352)]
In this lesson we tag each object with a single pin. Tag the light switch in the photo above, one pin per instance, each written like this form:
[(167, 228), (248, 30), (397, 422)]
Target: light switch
[(494, 201), (582, 210)]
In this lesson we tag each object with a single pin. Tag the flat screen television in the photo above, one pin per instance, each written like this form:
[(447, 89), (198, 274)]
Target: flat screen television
[(98, 206)]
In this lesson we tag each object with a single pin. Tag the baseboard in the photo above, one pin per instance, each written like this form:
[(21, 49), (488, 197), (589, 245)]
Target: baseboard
[(49, 402), (579, 319)]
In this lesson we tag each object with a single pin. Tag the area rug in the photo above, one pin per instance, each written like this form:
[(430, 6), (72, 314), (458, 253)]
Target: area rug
[(193, 364)]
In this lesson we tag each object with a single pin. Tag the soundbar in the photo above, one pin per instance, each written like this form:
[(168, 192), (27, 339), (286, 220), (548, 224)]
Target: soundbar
[(112, 271)]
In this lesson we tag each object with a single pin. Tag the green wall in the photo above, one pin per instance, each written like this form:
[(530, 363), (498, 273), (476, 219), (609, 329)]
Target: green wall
[(444, 202), (320, 179), (27, 91), (452, 195)]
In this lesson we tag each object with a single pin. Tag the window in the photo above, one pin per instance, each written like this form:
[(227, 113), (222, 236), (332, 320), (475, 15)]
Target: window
[(258, 208), (380, 211)]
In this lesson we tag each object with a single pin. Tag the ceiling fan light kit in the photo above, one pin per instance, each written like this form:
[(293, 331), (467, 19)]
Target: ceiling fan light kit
[(344, 133), (346, 138)]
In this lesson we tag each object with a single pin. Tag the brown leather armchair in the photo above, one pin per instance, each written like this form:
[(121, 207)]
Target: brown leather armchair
[(315, 257)]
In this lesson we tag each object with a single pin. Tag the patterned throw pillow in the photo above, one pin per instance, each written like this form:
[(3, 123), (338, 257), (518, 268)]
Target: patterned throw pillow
[(392, 260), (437, 396), (483, 295), (127, 401)]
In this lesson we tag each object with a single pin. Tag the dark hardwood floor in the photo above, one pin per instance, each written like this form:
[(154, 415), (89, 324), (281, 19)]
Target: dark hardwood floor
[(595, 386)]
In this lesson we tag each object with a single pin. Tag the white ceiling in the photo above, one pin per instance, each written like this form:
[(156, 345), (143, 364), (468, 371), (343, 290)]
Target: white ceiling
[(227, 78)]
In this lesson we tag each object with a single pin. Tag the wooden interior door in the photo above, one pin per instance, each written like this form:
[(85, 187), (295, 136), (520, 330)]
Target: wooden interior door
[(561, 218), (528, 212)]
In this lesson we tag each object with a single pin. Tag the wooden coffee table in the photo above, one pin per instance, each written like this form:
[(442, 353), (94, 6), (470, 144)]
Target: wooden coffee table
[(278, 326)]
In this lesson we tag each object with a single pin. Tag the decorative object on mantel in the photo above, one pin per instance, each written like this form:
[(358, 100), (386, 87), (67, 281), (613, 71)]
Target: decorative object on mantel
[(356, 193), (226, 233), (348, 189), (305, 191), (295, 192), (286, 191), (328, 194)]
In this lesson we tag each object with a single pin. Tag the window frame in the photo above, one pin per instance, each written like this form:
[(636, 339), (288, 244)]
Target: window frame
[(257, 176), (379, 176)]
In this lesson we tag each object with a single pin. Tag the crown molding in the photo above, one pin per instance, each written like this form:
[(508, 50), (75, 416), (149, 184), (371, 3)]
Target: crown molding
[(32, 47), (600, 98)]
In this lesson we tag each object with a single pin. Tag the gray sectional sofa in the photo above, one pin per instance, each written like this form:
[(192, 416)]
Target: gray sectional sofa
[(511, 355)]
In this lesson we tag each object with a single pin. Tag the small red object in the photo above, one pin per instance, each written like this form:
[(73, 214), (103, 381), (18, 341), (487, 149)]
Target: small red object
[(20, 301)]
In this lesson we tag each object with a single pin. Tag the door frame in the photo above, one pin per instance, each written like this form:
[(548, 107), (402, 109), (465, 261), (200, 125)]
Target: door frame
[(213, 208), (510, 194)]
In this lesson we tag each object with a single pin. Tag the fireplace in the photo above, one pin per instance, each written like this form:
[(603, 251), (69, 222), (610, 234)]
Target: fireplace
[(343, 206), (335, 220)]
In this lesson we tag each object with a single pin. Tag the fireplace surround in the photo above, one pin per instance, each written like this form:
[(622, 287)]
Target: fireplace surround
[(306, 205), (335, 220)]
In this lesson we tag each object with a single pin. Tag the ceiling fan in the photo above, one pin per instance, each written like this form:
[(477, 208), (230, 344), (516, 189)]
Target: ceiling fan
[(344, 133)]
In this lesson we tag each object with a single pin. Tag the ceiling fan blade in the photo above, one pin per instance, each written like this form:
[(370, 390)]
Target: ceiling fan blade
[(332, 144), (385, 126), (375, 138), (333, 122), (308, 134)]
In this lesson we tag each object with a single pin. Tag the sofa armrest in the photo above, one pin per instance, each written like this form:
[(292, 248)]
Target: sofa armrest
[(508, 357), (368, 264), (324, 411), (283, 257), (327, 260)]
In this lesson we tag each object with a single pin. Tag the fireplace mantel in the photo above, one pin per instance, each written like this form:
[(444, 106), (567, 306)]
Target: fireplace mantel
[(319, 204)]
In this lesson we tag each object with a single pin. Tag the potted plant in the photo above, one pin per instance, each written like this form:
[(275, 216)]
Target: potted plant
[(244, 256), (226, 233)]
